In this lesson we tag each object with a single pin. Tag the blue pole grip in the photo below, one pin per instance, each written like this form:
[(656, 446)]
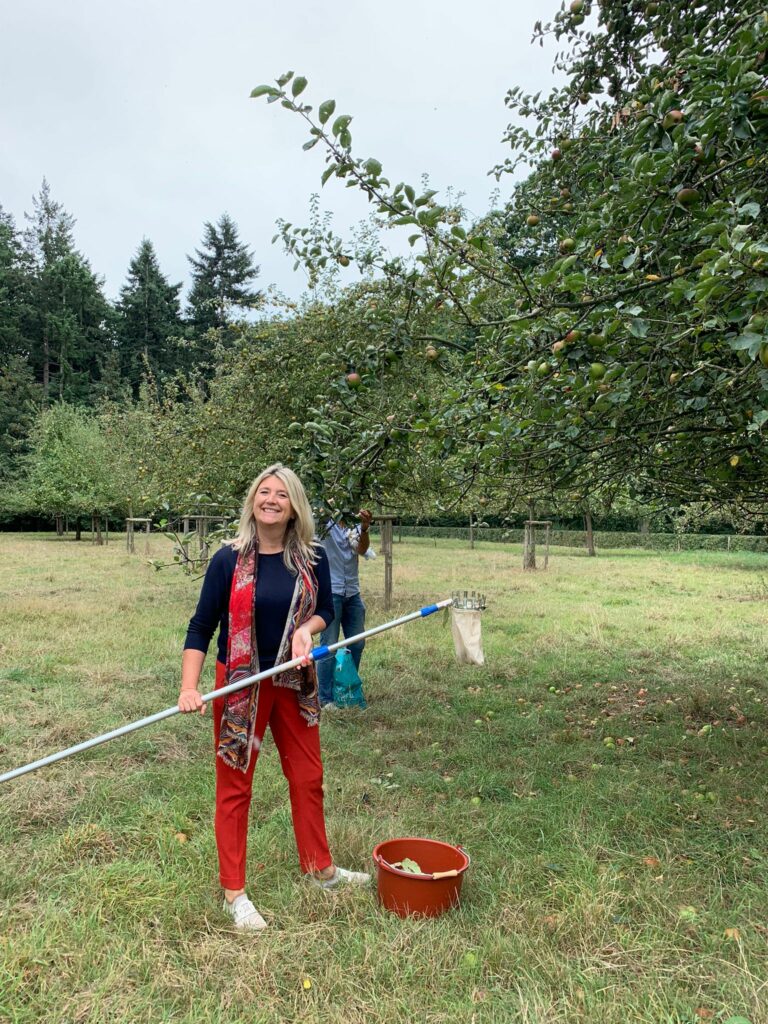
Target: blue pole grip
[(320, 652), (430, 608)]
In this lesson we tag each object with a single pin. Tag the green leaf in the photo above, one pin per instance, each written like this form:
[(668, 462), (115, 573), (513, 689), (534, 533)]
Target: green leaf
[(327, 173), (373, 167), (410, 193), (298, 86), (713, 229), (410, 865), (638, 328), (575, 282), (264, 90), (325, 110), (747, 342), (310, 144), (705, 256), (750, 210), (285, 79), (341, 123)]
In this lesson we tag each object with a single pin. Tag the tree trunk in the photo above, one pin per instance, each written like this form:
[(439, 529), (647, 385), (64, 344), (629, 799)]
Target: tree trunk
[(471, 531), (644, 525), (590, 534), (59, 526), (77, 528), (529, 543), (99, 538)]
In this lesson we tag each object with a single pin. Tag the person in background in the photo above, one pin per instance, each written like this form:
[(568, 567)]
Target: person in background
[(344, 546), (267, 592)]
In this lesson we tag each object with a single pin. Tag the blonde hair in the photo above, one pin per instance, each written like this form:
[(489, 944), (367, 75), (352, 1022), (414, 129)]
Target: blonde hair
[(299, 537)]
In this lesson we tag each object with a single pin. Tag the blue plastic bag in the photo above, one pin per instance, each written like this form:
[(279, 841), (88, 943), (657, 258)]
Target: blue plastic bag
[(347, 684)]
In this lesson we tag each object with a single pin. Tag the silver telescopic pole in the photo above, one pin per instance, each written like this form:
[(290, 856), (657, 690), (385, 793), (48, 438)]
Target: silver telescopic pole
[(315, 655)]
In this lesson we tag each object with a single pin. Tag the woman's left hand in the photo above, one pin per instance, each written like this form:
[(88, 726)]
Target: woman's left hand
[(302, 644)]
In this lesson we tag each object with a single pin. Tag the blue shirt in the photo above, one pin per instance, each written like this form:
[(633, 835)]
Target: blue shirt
[(340, 546), (274, 592)]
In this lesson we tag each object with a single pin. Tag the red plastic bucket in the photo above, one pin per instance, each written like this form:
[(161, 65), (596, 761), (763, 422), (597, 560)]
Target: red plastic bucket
[(430, 893)]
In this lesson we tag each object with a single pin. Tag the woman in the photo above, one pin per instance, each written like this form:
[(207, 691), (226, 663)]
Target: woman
[(268, 592)]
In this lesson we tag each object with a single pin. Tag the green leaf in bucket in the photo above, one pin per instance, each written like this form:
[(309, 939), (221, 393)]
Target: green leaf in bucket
[(406, 864)]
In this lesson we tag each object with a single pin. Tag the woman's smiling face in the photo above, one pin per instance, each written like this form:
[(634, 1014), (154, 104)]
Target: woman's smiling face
[(271, 504)]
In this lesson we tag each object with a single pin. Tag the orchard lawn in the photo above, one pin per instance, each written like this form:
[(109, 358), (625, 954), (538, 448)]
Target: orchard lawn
[(606, 771)]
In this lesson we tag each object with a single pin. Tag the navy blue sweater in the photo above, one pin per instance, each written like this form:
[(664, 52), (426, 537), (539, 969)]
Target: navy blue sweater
[(274, 591)]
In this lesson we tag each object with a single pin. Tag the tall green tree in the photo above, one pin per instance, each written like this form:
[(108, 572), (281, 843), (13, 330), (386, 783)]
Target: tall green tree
[(222, 274), (15, 290), (69, 317), (19, 405), (149, 319)]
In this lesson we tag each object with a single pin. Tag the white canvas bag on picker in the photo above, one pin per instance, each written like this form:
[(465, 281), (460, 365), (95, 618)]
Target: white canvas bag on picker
[(467, 636)]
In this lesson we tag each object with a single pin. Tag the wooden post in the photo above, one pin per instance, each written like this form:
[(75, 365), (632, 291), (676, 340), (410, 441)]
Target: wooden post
[(202, 529), (529, 543), (386, 550), (130, 536), (529, 547)]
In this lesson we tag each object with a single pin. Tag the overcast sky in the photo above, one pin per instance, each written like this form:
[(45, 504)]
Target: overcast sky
[(138, 112)]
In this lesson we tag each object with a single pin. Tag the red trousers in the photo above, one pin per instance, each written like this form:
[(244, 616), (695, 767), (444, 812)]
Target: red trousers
[(298, 745)]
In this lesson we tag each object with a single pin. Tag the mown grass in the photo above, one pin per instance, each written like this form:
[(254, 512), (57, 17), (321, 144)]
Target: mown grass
[(619, 882)]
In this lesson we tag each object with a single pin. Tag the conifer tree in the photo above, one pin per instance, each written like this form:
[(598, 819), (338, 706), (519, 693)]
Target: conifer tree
[(222, 273), (149, 319), (69, 317), (15, 291)]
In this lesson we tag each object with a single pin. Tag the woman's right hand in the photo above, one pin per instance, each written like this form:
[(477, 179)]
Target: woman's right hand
[(190, 700)]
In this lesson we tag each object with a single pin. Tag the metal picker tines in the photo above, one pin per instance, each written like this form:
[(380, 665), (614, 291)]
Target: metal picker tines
[(469, 600)]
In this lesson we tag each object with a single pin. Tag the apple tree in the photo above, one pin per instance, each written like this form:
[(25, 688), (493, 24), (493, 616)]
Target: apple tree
[(607, 325)]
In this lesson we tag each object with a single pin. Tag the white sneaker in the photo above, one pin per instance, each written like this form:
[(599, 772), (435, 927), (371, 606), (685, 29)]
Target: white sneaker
[(330, 706), (245, 915), (342, 877)]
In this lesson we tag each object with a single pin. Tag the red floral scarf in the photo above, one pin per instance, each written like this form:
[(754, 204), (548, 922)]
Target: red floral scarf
[(236, 737)]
